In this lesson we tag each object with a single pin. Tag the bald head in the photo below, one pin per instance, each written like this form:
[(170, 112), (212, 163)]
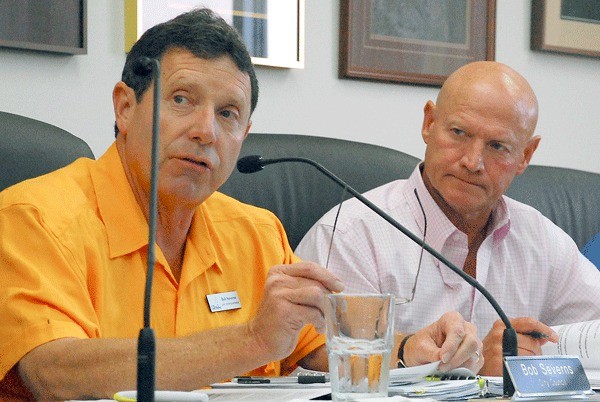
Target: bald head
[(479, 136), (493, 83)]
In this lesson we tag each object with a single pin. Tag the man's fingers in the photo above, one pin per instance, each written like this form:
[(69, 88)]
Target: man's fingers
[(455, 331), (529, 345), (531, 327), (313, 272), (293, 296), (468, 354), (462, 347), (308, 296)]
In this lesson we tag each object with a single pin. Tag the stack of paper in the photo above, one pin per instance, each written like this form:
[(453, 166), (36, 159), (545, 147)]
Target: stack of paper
[(418, 373), (594, 377), (495, 385), (449, 390), (427, 381)]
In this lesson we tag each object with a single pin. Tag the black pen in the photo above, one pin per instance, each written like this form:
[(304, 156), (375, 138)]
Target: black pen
[(536, 334), (300, 379), (251, 380)]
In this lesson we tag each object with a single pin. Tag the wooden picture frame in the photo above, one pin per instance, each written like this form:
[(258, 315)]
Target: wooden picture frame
[(52, 26), (414, 41), (566, 26), (273, 30)]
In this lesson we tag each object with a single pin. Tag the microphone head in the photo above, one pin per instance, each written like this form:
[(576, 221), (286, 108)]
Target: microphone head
[(142, 66), (250, 164)]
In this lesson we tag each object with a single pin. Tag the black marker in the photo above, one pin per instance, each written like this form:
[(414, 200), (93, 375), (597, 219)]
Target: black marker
[(536, 335)]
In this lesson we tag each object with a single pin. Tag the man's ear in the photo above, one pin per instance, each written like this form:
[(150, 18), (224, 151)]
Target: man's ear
[(428, 118), (123, 103), (532, 145)]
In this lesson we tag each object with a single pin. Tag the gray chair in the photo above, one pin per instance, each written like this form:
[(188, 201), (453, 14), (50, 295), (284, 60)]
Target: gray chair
[(30, 148), (568, 197), (299, 194)]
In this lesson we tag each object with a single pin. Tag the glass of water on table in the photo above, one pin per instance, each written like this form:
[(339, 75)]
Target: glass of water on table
[(360, 338)]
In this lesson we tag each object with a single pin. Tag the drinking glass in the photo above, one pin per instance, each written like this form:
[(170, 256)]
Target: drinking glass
[(360, 338)]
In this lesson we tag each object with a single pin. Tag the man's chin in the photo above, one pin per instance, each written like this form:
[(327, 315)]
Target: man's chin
[(466, 203), (186, 193)]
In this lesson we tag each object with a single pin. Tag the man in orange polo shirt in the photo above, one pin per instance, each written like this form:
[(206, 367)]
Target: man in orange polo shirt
[(229, 296)]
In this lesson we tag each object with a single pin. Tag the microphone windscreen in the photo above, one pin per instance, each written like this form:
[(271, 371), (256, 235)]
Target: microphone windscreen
[(250, 164), (142, 66)]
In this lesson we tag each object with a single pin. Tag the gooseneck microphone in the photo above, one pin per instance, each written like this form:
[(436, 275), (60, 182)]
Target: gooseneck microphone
[(254, 163), (146, 364)]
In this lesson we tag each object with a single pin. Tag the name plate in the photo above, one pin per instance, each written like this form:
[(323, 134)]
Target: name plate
[(547, 377)]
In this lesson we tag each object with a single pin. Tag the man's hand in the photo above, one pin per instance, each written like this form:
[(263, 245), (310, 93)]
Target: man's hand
[(528, 345), (293, 297), (450, 339)]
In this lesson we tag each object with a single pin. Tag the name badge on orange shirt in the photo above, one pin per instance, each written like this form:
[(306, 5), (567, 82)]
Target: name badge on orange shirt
[(224, 301)]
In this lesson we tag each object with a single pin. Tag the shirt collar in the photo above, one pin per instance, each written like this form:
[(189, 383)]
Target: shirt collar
[(439, 227), (442, 235), (200, 250), (126, 225), (501, 220)]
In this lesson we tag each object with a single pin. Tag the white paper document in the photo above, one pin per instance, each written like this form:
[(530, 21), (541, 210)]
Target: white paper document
[(579, 339)]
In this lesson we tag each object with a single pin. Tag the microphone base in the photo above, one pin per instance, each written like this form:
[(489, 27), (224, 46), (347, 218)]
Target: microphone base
[(510, 347), (146, 365)]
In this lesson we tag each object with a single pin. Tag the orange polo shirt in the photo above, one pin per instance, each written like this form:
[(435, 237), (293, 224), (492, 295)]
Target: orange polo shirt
[(73, 249)]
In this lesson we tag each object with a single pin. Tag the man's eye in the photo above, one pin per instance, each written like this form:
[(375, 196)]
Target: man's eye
[(498, 146), (229, 113), (458, 131), (179, 99)]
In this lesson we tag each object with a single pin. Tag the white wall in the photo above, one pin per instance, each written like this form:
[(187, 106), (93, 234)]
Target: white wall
[(74, 92)]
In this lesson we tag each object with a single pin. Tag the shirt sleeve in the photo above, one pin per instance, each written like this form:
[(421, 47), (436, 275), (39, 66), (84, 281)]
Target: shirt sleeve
[(42, 296), (570, 300), (308, 341)]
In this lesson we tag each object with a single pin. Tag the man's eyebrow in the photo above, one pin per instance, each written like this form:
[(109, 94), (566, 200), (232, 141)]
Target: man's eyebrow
[(185, 82), (237, 100)]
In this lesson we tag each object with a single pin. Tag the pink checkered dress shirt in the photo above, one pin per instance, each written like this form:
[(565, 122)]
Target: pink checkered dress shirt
[(530, 266)]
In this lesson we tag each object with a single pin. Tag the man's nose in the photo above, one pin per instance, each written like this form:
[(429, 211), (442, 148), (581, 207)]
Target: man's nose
[(473, 157), (203, 127)]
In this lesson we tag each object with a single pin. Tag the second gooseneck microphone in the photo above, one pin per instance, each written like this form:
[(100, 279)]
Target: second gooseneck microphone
[(255, 163), (146, 364)]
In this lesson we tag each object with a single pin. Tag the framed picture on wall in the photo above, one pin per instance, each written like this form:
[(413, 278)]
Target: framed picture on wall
[(414, 41), (566, 26), (273, 30), (56, 26)]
